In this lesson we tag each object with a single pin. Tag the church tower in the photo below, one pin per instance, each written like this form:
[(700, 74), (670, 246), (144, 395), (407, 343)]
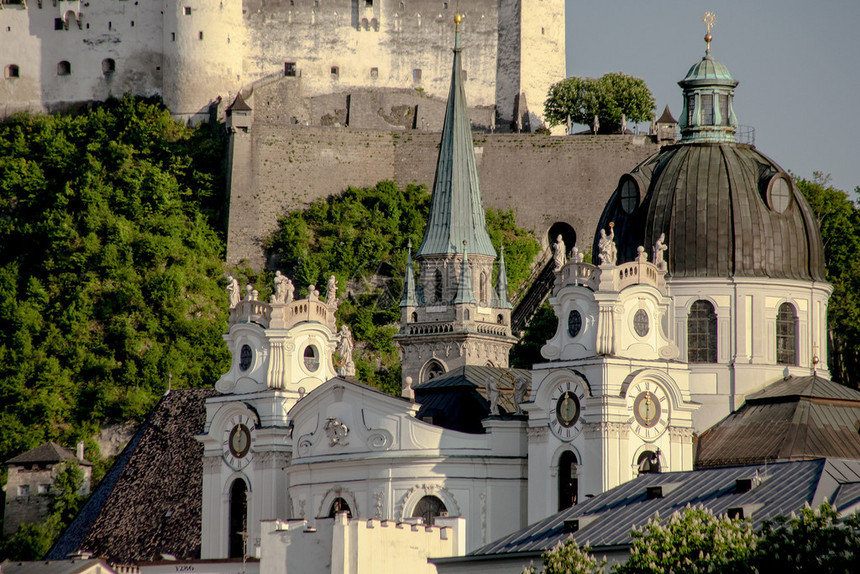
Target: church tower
[(454, 316)]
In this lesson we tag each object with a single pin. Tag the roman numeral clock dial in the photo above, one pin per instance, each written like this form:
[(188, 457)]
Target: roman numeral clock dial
[(238, 439), (565, 409), (650, 410)]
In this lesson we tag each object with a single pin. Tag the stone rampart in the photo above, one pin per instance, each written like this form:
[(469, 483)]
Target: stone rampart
[(544, 179)]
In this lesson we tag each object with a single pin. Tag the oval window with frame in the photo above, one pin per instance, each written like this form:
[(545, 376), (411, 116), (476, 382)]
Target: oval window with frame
[(246, 355), (311, 358), (779, 194), (629, 195), (641, 323), (574, 323)]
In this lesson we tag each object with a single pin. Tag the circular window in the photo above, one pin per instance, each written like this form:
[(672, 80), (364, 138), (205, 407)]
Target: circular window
[(312, 358), (641, 323), (629, 195), (245, 356), (779, 194), (574, 323)]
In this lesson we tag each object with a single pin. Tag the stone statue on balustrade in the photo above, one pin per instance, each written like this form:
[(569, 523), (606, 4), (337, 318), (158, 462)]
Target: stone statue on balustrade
[(559, 255), (493, 395), (234, 291), (284, 289), (331, 292), (606, 244), (520, 387), (345, 346), (659, 248)]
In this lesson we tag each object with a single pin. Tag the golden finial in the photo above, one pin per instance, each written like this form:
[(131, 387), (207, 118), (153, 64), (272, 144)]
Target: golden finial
[(611, 224), (709, 20), (457, 18)]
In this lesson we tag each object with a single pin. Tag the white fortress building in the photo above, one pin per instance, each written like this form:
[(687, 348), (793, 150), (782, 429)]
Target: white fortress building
[(58, 53)]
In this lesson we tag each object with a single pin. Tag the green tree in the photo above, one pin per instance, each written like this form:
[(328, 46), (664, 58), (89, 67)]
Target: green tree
[(816, 540), (569, 558), (609, 97), (839, 221), (691, 541), (66, 496), (110, 267)]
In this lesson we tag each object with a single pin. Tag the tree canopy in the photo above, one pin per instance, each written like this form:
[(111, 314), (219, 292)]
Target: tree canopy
[(110, 270), (609, 97)]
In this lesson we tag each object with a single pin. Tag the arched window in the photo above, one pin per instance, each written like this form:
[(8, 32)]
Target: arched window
[(483, 287), (238, 518), (64, 68), (429, 508), (339, 505), (702, 333), (12, 71), (568, 485), (437, 287), (108, 66), (649, 462), (786, 335), (432, 370)]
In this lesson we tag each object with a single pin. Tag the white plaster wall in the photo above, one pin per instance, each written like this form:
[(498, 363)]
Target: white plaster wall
[(543, 52)]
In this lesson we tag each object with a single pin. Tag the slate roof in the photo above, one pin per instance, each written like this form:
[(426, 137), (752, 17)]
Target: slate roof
[(77, 566), (711, 202), (606, 520), (150, 501), (458, 400), (795, 418), (456, 209), (667, 117), (49, 452)]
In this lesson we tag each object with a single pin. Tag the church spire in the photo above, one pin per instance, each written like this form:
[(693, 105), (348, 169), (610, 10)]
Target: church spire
[(409, 298), (456, 210)]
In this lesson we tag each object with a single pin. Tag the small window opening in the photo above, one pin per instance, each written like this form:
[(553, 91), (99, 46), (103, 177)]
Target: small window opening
[(568, 483), (649, 462), (416, 75), (374, 73), (132, 23), (429, 508), (335, 72), (108, 66), (64, 68), (465, 75), (110, 25), (173, 36), (12, 71), (311, 358), (59, 24), (188, 10), (200, 35), (368, 3), (290, 69), (339, 505)]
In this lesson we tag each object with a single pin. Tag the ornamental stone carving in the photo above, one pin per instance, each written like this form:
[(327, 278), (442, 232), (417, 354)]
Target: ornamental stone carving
[(336, 432), (537, 434)]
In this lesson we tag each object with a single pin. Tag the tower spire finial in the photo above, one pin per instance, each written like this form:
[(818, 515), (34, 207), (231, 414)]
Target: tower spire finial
[(457, 19), (709, 19)]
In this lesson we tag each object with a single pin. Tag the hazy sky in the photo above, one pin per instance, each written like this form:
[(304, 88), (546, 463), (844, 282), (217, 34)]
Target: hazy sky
[(798, 64)]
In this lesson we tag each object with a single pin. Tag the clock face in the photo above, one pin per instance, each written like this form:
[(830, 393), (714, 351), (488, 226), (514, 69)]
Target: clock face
[(650, 410), (238, 438), (566, 409)]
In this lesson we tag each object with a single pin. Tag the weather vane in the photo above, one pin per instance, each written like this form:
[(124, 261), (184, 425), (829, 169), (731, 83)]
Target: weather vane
[(709, 20)]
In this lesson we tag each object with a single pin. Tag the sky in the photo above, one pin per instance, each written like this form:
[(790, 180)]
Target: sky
[(797, 63)]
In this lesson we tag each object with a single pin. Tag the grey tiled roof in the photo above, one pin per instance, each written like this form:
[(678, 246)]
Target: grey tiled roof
[(607, 519), (46, 453), (458, 400), (711, 202), (795, 418), (57, 567), (150, 501)]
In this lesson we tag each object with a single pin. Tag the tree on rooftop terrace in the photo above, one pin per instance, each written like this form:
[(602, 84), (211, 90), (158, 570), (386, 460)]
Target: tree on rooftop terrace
[(610, 97)]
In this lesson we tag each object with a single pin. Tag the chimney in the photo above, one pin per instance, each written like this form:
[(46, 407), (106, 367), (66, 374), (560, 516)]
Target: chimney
[(79, 451)]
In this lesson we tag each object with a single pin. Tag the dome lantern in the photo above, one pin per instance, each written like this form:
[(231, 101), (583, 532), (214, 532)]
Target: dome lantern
[(708, 114)]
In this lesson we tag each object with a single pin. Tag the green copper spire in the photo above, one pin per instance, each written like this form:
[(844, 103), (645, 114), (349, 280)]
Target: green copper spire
[(456, 210), (708, 115), (409, 298), (464, 289), (502, 282)]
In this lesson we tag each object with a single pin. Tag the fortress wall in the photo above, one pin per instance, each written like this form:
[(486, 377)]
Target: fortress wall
[(544, 179)]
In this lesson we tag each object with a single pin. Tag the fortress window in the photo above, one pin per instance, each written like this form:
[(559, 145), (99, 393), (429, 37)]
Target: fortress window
[(59, 24), (786, 335), (374, 73), (12, 71), (108, 66), (110, 25), (173, 36), (416, 75), (64, 68), (188, 10), (132, 23), (335, 72), (200, 35), (368, 3), (445, 5), (465, 75), (316, 3), (290, 69), (402, 5)]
